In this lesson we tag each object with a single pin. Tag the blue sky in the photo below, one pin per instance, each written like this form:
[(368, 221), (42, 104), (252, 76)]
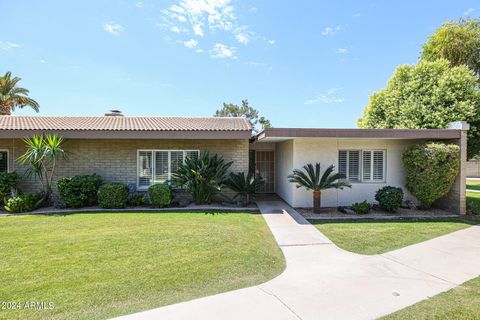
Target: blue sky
[(301, 63)]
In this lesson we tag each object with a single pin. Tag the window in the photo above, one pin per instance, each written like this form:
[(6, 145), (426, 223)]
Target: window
[(157, 166), (3, 161), (362, 165)]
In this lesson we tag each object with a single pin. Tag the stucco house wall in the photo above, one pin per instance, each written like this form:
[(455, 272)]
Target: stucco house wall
[(116, 160), (326, 150)]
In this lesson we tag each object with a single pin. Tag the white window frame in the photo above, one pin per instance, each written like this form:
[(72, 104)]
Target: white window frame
[(152, 151), (8, 158), (361, 180)]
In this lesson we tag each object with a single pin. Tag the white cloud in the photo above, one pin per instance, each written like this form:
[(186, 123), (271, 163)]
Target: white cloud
[(197, 30), (139, 4), (7, 45), (357, 15), (175, 29), (330, 31), (221, 51), (327, 97), (271, 41), (341, 51), (469, 11), (253, 9), (200, 14), (243, 38), (113, 28), (190, 43)]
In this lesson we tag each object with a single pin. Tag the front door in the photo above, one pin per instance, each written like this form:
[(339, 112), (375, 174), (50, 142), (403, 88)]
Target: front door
[(265, 168)]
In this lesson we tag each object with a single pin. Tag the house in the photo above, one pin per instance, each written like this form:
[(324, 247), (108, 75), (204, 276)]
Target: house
[(141, 151)]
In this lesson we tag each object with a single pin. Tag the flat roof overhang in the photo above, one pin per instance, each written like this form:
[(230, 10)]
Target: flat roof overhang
[(281, 134), (130, 134)]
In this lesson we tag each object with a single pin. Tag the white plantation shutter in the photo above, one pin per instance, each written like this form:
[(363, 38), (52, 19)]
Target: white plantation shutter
[(176, 158), (145, 168), (157, 166), (342, 162), (354, 165), (378, 165), (161, 166), (367, 165)]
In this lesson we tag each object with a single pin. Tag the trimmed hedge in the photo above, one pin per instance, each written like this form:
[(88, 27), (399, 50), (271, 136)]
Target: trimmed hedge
[(113, 196), (160, 195), (79, 191), (431, 170), (23, 203), (8, 181), (389, 198)]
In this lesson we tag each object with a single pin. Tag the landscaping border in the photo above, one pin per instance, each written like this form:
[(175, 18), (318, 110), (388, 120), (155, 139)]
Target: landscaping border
[(208, 209)]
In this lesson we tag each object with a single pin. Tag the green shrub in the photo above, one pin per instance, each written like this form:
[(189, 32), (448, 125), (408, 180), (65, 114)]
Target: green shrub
[(8, 181), (160, 195), (389, 198), (361, 207), (431, 169), (79, 191), (113, 196), (136, 200), (23, 203)]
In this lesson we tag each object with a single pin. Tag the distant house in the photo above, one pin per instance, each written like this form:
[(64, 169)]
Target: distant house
[(141, 151)]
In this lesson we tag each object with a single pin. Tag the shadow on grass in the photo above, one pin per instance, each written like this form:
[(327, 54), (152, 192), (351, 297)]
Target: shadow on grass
[(472, 220)]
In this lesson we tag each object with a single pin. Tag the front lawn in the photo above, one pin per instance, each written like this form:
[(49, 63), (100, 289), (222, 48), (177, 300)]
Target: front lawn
[(473, 202), (473, 184), (462, 302), (374, 237), (96, 266)]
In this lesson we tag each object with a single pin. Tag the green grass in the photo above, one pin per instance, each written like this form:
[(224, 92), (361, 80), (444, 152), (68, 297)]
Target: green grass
[(460, 303), (473, 202), (374, 237), (473, 184), (96, 266)]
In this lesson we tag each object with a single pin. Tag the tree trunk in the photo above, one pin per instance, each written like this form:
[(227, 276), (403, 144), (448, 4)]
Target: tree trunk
[(317, 194), (246, 199)]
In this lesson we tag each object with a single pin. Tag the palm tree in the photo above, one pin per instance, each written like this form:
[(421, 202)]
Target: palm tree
[(12, 97), (311, 180), (244, 186)]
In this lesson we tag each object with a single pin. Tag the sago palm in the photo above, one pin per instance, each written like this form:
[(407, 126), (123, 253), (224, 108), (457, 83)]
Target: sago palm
[(202, 177), (12, 96), (309, 178), (244, 186)]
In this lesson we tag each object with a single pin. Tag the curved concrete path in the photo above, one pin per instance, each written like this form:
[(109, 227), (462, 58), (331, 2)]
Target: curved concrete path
[(322, 281)]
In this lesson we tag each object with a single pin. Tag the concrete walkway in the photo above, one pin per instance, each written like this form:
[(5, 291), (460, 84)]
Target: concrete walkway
[(322, 281)]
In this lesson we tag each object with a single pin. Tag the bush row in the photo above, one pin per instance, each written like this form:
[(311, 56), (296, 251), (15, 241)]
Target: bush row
[(88, 190)]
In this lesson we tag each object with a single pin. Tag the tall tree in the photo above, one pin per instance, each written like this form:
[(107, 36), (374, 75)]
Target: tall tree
[(252, 115), (458, 42), (427, 95), (12, 96)]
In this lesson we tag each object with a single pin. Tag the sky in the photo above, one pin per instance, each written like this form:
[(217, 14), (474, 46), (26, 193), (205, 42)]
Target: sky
[(300, 63)]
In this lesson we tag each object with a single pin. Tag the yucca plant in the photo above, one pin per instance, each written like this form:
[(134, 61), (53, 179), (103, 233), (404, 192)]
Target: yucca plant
[(202, 177), (42, 156), (244, 186), (309, 178)]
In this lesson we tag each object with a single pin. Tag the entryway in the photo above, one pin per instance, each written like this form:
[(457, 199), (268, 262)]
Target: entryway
[(265, 168)]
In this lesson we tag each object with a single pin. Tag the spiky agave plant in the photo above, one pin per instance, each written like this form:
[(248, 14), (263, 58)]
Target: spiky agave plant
[(203, 177), (309, 178), (244, 186)]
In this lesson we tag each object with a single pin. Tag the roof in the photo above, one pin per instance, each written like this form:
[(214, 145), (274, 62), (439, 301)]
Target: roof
[(279, 134), (133, 127)]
